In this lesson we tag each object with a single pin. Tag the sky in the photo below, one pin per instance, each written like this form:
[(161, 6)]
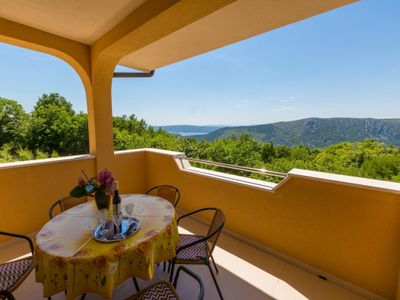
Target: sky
[(343, 63)]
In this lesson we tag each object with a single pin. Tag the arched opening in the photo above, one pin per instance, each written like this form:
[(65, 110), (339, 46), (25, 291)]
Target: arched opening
[(43, 106)]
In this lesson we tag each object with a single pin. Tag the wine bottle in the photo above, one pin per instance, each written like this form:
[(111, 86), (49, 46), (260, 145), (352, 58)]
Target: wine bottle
[(117, 214), (116, 200)]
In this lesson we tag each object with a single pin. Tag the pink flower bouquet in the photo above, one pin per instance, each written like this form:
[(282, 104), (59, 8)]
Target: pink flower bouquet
[(101, 187)]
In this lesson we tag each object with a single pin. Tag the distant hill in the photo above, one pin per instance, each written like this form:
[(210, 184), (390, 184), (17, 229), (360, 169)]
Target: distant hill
[(189, 129), (316, 132)]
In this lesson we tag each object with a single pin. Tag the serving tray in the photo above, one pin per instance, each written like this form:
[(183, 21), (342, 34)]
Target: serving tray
[(127, 230)]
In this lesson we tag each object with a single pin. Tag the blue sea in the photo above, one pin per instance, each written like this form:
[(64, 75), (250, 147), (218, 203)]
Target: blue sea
[(185, 133)]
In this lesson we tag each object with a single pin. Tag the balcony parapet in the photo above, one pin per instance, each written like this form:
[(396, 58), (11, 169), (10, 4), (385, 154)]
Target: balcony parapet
[(185, 166)]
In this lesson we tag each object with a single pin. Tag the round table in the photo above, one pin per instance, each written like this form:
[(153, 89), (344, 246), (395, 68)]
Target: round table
[(68, 258)]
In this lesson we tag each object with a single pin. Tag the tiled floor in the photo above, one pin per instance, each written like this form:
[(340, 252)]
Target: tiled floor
[(245, 273)]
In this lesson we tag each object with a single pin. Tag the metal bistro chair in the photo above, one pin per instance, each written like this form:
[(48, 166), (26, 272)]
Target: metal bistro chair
[(13, 273), (198, 249), (165, 290), (166, 191), (6, 295), (66, 203)]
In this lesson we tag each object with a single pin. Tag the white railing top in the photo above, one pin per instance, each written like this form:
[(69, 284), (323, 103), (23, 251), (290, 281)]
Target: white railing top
[(368, 183), (45, 161), (235, 167)]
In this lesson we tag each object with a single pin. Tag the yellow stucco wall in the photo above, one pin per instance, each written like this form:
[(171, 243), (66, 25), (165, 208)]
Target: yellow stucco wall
[(131, 171), (349, 232), (27, 192)]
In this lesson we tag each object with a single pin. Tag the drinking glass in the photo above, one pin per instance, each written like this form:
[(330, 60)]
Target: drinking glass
[(102, 215), (117, 219), (129, 210)]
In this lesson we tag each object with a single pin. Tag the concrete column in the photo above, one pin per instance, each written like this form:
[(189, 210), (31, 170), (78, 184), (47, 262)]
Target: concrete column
[(100, 114)]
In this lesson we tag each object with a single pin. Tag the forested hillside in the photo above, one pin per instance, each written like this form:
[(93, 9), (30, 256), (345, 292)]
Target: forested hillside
[(316, 132), (53, 129)]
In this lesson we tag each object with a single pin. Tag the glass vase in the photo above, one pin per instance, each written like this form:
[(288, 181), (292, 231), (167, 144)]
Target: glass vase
[(102, 200)]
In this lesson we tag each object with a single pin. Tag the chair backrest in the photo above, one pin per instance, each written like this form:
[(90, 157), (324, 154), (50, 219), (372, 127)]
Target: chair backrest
[(66, 203), (216, 225), (168, 192), (215, 228)]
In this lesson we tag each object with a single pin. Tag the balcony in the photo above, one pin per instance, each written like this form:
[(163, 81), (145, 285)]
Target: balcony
[(314, 235)]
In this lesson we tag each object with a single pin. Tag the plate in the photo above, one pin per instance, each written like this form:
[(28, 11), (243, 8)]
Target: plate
[(127, 230)]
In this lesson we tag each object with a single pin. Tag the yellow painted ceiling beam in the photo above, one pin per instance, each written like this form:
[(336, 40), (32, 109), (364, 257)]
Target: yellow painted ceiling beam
[(152, 21)]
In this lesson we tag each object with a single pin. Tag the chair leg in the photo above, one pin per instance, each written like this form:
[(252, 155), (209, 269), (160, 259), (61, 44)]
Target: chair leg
[(83, 296), (5, 294), (215, 280), (171, 275), (169, 266), (215, 265), (136, 284), (164, 264)]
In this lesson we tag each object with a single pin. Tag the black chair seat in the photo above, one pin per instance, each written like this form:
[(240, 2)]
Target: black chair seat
[(193, 253), (13, 273), (164, 290), (160, 290)]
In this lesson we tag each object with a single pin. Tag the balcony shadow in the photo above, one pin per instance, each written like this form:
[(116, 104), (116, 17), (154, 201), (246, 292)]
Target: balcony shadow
[(252, 271)]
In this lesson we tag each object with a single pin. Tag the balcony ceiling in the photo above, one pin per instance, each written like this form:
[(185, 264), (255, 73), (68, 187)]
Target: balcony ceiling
[(80, 20), (89, 20), (235, 22)]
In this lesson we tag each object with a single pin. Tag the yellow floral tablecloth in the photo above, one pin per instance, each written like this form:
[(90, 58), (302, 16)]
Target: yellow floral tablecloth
[(67, 257)]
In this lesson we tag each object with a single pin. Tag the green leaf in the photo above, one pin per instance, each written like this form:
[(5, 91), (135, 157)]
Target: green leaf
[(78, 191)]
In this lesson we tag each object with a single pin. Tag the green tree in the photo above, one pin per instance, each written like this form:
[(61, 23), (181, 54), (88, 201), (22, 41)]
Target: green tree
[(12, 121), (267, 152), (130, 123), (54, 126), (386, 167), (5, 154), (282, 151), (300, 153)]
